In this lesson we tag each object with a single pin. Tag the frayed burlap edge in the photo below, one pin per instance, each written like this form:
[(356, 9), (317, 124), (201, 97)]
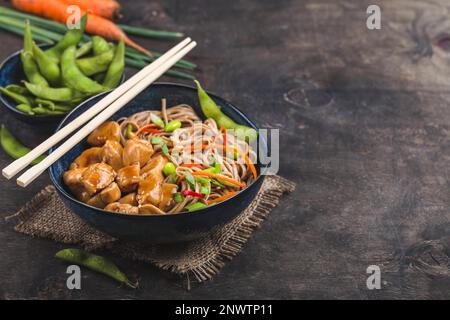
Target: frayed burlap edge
[(201, 259)]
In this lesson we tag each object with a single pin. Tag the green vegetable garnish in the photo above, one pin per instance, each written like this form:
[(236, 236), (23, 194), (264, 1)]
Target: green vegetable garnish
[(204, 190), (157, 140), (196, 206), (178, 197), (190, 179), (165, 149), (157, 120), (173, 125), (169, 168)]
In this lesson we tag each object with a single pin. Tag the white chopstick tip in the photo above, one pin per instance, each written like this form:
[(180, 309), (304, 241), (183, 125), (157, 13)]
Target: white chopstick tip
[(7, 174), (21, 183)]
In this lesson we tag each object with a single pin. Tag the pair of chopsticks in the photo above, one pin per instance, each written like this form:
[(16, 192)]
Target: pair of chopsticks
[(97, 114)]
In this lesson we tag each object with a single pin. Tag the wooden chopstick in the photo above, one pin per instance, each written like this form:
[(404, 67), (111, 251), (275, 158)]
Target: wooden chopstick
[(19, 164), (34, 172)]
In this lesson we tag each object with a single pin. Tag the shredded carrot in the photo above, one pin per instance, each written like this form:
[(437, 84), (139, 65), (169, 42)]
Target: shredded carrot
[(235, 149), (220, 177), (192, 165), (222, 198), (147, 126)]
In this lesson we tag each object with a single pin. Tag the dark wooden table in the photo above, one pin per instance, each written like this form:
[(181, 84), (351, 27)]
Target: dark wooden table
[(364, 119)]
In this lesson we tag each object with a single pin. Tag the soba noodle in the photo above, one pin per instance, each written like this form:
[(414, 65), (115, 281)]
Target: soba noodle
[(208, 152)]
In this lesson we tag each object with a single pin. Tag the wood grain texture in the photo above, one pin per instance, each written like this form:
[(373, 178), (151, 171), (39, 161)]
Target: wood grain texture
[(365, 133)]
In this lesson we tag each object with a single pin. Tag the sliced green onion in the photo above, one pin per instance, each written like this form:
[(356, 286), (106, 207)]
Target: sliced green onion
[(204, 190), (190, 179), (157, 120), (157, 140), (165, 149), (178, 197)]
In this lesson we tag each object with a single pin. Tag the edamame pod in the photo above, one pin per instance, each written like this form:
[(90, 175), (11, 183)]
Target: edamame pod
[(71, 38), (212, 110), (13, 147), (44, 111), (84, 49), (25, 108), (18, 98), (47, 93), (18, 89), (27, 38), (49, 67), (74, 78), (96, 263), (116, 68), (99, 45), (96, 64), (31, 69)]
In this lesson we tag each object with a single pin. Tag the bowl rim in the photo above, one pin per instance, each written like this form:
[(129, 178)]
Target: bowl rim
[(141, 216), (56, 117)]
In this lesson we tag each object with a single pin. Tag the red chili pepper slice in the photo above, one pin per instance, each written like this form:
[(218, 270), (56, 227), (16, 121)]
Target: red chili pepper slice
[(151, 131), (188, 193)]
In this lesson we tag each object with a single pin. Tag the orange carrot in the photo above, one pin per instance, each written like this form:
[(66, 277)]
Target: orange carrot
[(108, 9), (57, 10), (222, 198), (235, 149), (146, 126), (219, 177), (192, 165)]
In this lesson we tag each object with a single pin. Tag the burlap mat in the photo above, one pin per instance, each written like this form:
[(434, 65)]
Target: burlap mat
[(46, 216)]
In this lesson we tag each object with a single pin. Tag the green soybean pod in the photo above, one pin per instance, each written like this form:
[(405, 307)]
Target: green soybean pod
[(116, 68), (27, 38), (48, 93), (18, 89), (25, 108), (96, 64), (212, 110), (18, 98), (49, 67), (99, 45), (13, 147), (173, 125), (84, 49), (96, 263), (31, 69), (74, 78), (71, 38), (44, 111)]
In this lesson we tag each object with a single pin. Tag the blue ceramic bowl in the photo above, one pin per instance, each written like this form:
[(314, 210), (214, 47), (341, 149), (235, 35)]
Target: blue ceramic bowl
[(152, 229), (11, 72)]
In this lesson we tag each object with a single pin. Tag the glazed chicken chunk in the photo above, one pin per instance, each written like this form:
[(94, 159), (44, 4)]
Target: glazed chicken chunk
[(129, 199), (109, 130), (97, 177), (112, 154), (108, 195), (137, 152), (149, 190), (88, 157), (128, 178), (122, 208)]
